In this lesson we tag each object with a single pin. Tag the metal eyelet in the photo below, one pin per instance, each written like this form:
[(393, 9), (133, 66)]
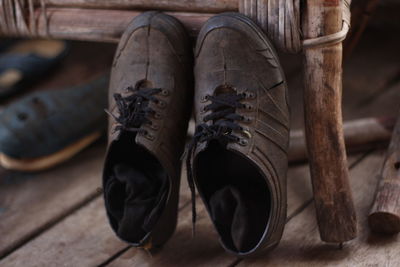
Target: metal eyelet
[(204, 98), (246, 132), (161, 104), (250, 95), (157, 115), (154, 126), (248, 107), (203, 109), (243, 142), (149, 136), (247, 119), (165, 92)]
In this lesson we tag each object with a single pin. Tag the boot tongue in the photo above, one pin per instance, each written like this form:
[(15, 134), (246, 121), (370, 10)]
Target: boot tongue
[(224, 89), (221, 91)]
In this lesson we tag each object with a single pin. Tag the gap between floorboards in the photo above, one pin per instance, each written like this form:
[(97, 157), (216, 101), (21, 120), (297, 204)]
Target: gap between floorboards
[(50, 224)]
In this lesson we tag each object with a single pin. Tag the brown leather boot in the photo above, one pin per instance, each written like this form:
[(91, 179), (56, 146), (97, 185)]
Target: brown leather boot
[(238, 157), (150, 100)]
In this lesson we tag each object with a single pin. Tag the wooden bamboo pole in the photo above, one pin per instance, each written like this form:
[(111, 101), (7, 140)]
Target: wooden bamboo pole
[(359, 135), (385, 213), (323, 124), (211, 6)]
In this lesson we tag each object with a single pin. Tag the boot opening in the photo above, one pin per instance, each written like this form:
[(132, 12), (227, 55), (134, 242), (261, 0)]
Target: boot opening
[(236, 194), (135, 189)]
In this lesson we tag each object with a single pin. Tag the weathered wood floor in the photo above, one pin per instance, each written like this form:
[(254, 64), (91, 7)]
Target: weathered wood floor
[(56, 218)]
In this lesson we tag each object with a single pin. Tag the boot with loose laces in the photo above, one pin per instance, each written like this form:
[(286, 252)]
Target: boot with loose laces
[(238, 156), (149, 107)]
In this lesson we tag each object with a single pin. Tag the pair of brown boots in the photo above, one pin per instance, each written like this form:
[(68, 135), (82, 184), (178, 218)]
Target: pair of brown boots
[(237, 158)]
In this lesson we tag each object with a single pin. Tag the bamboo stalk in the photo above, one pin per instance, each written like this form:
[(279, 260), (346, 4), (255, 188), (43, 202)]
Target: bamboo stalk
[(359, 135), (323, 124), (385, 213), (212, 6)]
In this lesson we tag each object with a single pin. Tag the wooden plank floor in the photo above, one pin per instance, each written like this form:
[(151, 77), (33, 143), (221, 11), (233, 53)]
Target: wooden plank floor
[(56, 218)]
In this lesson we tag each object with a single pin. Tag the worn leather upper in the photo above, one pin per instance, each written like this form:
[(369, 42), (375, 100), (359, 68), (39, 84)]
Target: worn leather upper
[(154, 52), (231, 50)]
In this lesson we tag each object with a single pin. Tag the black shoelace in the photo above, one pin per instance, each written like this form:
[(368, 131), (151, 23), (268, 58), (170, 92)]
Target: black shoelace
[(134, 109), (224, 122)]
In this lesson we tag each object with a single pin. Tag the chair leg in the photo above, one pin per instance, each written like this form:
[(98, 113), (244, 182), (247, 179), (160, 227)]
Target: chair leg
[(323, 124)]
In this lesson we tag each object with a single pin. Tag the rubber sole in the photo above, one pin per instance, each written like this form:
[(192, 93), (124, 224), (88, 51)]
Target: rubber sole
[(46, 162)]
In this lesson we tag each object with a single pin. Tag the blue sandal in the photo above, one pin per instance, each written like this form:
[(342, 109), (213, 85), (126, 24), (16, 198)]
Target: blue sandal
[(48, 127), (24, 62)]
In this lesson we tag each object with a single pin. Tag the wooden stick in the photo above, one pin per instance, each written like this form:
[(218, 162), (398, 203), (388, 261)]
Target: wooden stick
[(323, 124), (359, 135), (385, 212), (212, 6)]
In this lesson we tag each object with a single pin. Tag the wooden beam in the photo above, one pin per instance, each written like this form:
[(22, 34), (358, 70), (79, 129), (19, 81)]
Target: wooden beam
[(102, 20), (359, 135), (385, 213), (213, 6), (100, 25), (323, 124)]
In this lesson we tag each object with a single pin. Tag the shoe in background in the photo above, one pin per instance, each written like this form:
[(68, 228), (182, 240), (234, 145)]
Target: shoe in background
[(48, 127), (23, 62)]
